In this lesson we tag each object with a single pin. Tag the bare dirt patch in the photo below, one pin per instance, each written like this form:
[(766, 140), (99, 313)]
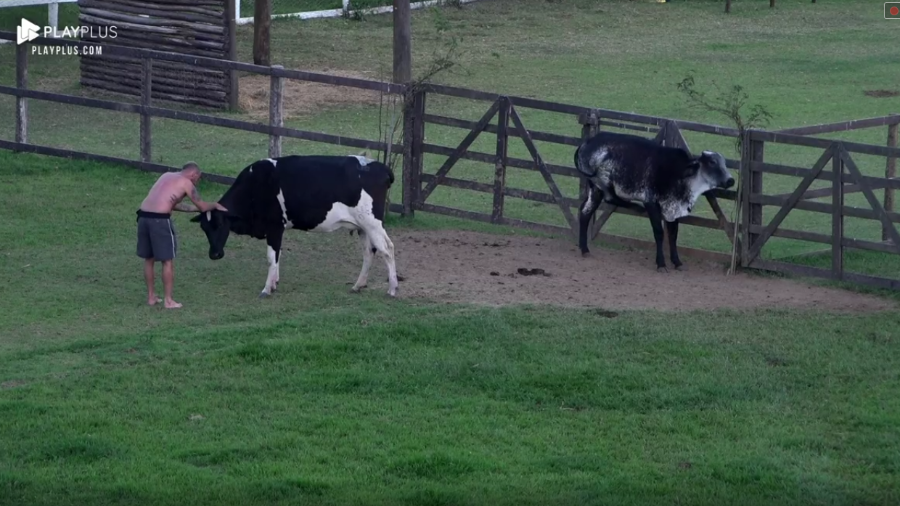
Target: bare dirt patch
[(11, 384), (302, 97), (881, 93), (461, 266)]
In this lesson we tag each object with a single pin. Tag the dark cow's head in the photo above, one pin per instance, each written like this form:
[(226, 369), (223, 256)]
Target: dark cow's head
[(216, 225), (711, 167)]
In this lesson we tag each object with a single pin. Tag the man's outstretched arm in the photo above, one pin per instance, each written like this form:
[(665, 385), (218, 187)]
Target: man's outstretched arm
[(202, 206)]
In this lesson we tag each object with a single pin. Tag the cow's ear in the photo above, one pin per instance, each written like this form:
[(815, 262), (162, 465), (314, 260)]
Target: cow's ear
[(195, 219)]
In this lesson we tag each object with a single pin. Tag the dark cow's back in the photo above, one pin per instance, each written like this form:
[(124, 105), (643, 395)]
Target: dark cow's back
[(311, 185), (638, 162)]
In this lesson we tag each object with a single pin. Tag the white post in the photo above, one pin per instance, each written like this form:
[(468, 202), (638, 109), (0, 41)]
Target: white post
[(237, 10), (53, 16), (346, 5)]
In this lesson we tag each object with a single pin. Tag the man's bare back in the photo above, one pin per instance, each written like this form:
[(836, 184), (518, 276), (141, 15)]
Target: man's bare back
[(157, 240), (170, 189)]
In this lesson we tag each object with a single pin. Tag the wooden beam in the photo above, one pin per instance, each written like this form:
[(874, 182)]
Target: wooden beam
[(890, 172), (837, 218), (231, 53), (463, 146), (887, 225), (22, 102), (548, 178), (500, 164), (262, 21), (402, 42), (146, 101), (757, 154), (757, 245), (511, 132), (276, 112)]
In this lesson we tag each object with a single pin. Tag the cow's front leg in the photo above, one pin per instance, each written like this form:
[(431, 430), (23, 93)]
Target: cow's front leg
[(273, 251), (672, 230), (654, 212), (586, 211)]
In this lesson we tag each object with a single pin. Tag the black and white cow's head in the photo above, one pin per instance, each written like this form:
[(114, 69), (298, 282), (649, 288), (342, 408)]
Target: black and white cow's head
[(711, 169), (215, 224)]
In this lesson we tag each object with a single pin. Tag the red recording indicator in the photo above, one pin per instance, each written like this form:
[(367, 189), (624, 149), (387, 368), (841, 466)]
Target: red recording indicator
[(892, 10)]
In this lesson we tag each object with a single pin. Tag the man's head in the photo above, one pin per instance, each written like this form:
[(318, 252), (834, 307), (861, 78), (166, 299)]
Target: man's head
[(191, 171), (216, 226)]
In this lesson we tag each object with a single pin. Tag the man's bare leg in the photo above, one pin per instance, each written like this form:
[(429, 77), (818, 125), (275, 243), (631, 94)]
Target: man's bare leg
[(168, 280), (150, 278)]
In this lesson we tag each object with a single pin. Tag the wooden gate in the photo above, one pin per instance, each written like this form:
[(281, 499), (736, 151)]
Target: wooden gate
[(846, 178), (509, 124)]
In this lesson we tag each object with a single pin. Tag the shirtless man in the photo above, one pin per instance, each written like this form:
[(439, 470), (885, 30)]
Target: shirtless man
[(156, 240)]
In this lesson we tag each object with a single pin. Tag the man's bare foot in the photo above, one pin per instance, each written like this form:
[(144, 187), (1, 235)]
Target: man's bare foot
[(171, 304), (153, 300)]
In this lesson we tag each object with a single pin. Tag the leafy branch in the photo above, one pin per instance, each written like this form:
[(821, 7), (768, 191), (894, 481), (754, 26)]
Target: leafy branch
[(730, 104), (445, 59)]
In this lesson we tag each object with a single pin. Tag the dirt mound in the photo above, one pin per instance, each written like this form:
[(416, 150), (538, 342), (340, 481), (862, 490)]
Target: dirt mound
[(881, 93), (303, 97), (486, 269)]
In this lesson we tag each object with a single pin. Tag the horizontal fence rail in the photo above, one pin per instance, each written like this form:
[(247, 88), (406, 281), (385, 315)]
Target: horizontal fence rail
[(502, 121)]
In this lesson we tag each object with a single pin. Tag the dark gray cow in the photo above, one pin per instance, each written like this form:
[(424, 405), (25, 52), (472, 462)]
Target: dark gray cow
[(622, 168), (310, 193)]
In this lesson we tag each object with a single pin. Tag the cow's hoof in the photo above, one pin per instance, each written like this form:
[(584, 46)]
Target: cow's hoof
[(400, 278), (585, 254), (680, 267), (662, 269), (263, 295), (357, 289)]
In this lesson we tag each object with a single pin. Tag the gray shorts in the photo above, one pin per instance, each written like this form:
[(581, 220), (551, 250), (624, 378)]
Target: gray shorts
[(156, 236)]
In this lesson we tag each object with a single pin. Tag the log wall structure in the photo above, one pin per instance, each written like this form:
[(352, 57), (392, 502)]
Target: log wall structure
[(192, 27)]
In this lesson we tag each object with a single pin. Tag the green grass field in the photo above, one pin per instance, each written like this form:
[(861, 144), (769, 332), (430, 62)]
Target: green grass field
[(317, 396)]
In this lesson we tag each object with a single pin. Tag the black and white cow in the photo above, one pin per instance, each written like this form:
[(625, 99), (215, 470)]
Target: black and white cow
[(309, 193), (622, 168)]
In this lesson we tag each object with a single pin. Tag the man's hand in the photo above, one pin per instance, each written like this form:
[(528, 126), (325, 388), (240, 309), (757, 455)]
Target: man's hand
[(202, 206)]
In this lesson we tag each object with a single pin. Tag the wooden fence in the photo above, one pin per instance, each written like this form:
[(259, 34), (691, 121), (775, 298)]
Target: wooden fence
[(191, 27), (418, 186)]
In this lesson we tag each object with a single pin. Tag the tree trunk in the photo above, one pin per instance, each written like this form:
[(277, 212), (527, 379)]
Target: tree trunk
[(727, 6), (262, 19)]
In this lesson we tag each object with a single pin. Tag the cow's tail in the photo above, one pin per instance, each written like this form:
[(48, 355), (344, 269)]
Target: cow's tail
[(390, 176)]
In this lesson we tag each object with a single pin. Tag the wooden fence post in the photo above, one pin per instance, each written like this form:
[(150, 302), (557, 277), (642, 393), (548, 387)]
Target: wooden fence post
[(744, 198), (146, 91), (409, 140), (757, 154), (837, 213), (500, 160), (22, 102), (402, 42), (262, 23), (418, 146), (232, 10), (276, 111), (890, 172)]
